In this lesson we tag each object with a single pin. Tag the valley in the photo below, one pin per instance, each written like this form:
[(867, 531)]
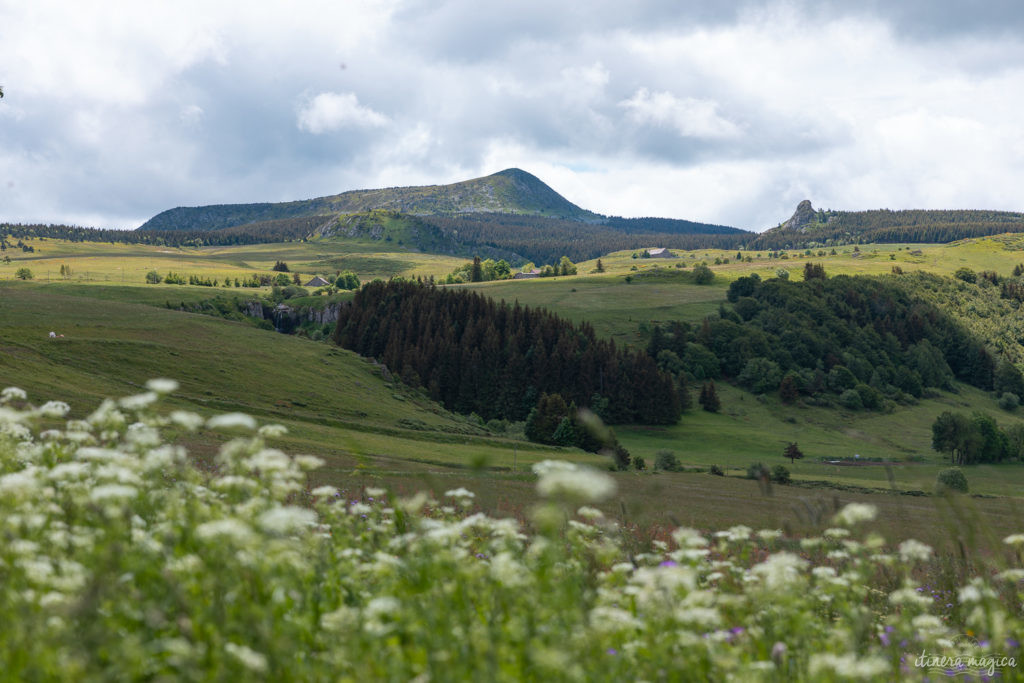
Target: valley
[(119, 332)]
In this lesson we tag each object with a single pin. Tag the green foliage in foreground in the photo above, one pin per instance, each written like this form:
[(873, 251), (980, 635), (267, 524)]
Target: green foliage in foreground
[(122, 561)]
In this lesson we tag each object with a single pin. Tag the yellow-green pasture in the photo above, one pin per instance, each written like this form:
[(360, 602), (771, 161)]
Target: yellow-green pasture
[(99, 262)]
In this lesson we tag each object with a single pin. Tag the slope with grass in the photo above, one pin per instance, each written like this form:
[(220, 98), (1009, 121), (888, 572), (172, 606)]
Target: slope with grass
[(334, 402), (508, 191)]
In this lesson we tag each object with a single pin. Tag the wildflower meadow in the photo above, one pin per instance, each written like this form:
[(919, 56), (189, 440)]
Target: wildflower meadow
[(119, 560)]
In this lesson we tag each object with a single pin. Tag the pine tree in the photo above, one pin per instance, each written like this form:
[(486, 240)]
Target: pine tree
[(788, 390), (477, 272), (709, 398), (600, 266), (793, 452)]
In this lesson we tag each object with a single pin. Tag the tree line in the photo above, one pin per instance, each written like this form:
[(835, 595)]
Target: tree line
[(855, 341), (473, 354), (885, 226)]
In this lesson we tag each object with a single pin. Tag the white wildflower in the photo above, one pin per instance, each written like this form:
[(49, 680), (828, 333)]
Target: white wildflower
[(823, 572), (379, 612), (780, 570), (162, 457), (232, 481), (847, 666), (855, 513), (273, 431), (613, 619), (548, 466), (186, 420), (54, 409), (689, 538), (12, 394), (769, 534), (1015, 539), (308, 462), (324, 492), (928, 625), (375, 492), (19, 484), (111, 492), (186, 564), (837, 532), (142, 435), (508, 571), (107, 416), (287, 520), (268, 460), (228, 528), (704, 617), (231, 422), (248, 657), (139, 401), (10, 427), (735, 534), (976, 591), (1011, 575), (574, 483), (588, 512), (911, 551), (162, 386), (459, 493), (909, 595), (340, 620)]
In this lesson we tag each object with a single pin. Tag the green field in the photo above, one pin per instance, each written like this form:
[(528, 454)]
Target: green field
[(118, 333)]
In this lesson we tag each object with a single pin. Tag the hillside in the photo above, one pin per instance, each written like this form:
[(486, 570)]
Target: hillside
[(810, 227), (508, 191)]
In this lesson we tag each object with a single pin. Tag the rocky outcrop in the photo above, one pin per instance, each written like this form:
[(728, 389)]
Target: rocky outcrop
[(297, 316), (802, 217)]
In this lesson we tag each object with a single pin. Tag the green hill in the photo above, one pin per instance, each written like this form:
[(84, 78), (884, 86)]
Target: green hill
[(809, 227), (509, 191)]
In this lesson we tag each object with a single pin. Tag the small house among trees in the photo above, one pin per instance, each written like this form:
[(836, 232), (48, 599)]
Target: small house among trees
[(535, 272), (660, 252), (317, 281)]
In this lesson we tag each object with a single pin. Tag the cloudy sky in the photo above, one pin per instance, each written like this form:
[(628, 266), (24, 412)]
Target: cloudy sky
[(726, 112)]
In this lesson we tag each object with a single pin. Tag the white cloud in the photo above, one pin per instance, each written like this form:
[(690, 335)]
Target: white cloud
[(725, 112), (331, 111), (688, 116)]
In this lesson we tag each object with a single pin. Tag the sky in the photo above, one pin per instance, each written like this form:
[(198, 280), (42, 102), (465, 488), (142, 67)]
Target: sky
[(727, 112)]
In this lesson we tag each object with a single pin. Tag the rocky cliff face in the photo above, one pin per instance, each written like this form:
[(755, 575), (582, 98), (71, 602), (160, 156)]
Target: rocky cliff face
[(297, 316), (803, 216)]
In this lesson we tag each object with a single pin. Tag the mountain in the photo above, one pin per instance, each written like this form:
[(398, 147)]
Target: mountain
[(509, 191), (810, 227)]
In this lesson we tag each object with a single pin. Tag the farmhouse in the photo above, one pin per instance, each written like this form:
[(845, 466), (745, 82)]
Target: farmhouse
[(526, 276), (317, 281), (660, 252)]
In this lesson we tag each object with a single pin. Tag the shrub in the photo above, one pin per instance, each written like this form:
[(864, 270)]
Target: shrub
[(639, 463), (780, 475), (702, 275), (666, 460), (717, 471), (757, 470), (23, 274), (1009, 401), (966, 274), (951, 479), (851, 400), (153, 277)]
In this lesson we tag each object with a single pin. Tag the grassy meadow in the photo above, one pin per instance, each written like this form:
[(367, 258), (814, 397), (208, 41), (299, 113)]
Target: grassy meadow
[(118, 333)]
